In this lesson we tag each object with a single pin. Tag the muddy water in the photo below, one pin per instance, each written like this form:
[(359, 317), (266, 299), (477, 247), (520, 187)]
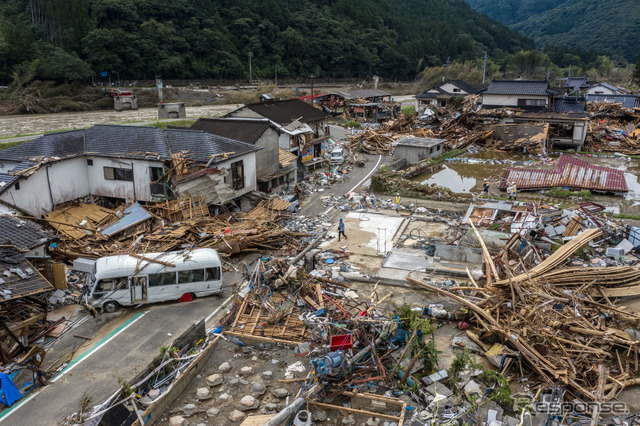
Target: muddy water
[(13, 125), (468, 176)]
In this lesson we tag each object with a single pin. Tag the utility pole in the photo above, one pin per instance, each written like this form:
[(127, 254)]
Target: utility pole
[(250, 76), (484, 67), (446, 70), (276, 74), (313, 77)]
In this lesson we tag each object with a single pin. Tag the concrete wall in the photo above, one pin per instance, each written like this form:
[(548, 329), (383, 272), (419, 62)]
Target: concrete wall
[(250, 177), (415, 154), (267, 158), (448, 87), (459, 253), (600, 90), (172, 111), (141, 185), (509, 100)]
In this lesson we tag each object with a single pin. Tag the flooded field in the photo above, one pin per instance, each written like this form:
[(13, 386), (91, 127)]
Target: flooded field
[(465, 174), (14, 125)]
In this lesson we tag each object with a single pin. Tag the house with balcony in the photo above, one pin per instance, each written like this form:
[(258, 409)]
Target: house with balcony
[(304, 129)]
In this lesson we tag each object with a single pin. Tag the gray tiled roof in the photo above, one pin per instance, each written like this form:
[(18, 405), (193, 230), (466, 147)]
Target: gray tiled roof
[(420, 142), (285, 111), (569, 104), (23, 234), (244, 130), (518, 87), (140, 142), (201, 146), (62, 144)]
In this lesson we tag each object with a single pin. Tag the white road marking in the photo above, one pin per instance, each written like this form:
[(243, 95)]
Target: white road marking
[(362, 181)]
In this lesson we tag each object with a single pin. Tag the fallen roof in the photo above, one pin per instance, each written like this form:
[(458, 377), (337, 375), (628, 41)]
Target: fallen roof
[(247, 130), (285, 158), (22, 234), (627, 101), (518, 87), (531, 135), (18, 277), (570, 172), (133, 215)]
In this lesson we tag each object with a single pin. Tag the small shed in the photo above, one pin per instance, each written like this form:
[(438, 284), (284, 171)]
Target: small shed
[(414, 150)]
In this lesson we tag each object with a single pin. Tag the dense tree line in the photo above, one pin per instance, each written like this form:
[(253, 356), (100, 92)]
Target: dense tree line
[(610, 27), (69, 40)]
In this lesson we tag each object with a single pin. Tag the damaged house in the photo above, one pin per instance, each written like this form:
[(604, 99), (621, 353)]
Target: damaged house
[(304, 129), (530, 95), (362, 105), (119, 162), (439, 96), (275, 166)]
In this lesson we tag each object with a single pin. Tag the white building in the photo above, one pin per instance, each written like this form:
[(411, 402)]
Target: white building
[(603, 89), (124, 162), (524, 94)]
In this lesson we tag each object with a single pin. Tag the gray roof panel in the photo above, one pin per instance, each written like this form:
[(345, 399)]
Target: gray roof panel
[(518, 87), (244, 130)]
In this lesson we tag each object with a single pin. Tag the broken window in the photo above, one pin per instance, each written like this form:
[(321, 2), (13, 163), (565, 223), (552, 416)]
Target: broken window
[(237, 175), (113, 173), (111, 284)]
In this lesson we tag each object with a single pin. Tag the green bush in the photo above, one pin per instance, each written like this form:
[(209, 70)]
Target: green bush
[(565, 193), (409, 110)]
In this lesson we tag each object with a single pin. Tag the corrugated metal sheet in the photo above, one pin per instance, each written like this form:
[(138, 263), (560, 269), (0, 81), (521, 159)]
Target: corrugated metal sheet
[(569, 172)]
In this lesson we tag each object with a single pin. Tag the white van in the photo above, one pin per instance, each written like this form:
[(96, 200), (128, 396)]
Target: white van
[(337, 156), (126, 280)]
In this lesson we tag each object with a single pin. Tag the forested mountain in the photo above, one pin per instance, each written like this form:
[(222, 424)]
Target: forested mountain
[(608, 26), (68, 40)]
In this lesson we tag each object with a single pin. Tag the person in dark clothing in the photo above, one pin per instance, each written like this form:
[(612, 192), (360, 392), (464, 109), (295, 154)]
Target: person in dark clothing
[(341, 230), (485, 187)]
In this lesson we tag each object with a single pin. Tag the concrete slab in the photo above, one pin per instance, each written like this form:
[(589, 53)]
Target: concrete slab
[(367, 233), (400, 262)]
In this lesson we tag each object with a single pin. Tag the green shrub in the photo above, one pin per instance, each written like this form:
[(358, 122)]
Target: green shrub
[(409, 110)]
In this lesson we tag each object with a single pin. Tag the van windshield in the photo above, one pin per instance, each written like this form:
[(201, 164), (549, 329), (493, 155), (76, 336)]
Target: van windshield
[(336, 154), (107, 285)]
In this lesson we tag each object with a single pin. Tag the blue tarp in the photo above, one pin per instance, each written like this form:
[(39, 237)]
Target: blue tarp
[(133, 215), (9, 392)]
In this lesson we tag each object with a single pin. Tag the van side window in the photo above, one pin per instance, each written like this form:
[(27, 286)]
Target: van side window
[(213, 274), (193, 276), (109, 284), (165, 278)]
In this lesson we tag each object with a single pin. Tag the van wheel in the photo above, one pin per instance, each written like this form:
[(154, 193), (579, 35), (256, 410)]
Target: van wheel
[(110, 306), (193, 295)]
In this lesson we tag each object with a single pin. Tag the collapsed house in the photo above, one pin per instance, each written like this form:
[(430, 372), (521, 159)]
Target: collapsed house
[(121, 162), (441, 95)]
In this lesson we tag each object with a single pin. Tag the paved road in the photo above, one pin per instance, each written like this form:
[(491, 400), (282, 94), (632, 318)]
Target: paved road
[(312, 205), (123, 355)]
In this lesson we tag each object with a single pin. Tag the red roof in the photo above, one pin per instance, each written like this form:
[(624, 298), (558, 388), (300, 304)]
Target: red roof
[(570, 172)]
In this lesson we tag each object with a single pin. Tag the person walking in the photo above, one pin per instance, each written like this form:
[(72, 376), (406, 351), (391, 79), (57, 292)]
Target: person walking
[(485, 187), (341, 230), (398, 201)]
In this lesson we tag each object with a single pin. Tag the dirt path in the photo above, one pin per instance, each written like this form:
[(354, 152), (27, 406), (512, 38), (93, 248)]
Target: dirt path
[(14, 125)]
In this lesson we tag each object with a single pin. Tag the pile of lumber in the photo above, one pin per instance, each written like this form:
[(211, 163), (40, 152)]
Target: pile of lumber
[(560, 323), (174, 225), (372, 142)]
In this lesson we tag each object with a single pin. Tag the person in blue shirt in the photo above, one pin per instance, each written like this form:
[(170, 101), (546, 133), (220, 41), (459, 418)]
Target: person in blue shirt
[(341, 230)]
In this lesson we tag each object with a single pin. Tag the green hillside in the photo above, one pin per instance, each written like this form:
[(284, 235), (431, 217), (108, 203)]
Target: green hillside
[(67, 40), (609, 26)]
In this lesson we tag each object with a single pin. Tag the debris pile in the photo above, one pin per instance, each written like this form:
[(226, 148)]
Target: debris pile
[(90, 231)]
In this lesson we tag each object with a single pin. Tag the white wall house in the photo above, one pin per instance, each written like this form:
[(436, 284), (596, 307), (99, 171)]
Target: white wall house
[(526, 94), (109, 161), (603, 89)]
